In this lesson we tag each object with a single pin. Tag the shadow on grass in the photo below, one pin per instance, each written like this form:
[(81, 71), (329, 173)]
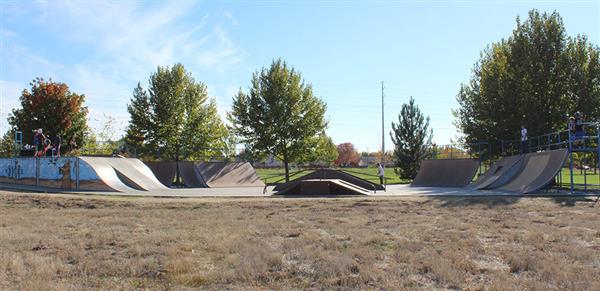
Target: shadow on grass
[(572, 201), (496, 201), (487, 201)]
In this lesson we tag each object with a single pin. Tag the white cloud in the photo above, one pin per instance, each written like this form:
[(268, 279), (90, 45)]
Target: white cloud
[(115, 45), (9, 95), (230, 17)]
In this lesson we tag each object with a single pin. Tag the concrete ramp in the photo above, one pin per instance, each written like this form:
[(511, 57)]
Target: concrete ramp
[(321, 187), (538, 170), (505, 167), (224, 174), (446, 173), (106, 173), (331, 174), (191, 175), (164, 171)]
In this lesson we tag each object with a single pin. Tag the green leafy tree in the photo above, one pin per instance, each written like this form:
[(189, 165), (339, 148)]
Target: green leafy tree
[(534, 78), (322, 151), (412, 140), (7, 145), (280, 115), (52, 107), (175, 119), (584, 77), (139, 124)]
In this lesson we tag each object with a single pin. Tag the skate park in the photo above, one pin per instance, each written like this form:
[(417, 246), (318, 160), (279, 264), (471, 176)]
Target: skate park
[(535, 173)]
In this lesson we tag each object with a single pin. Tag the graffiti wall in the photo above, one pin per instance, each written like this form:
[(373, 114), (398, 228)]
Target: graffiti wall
[(64, 172)]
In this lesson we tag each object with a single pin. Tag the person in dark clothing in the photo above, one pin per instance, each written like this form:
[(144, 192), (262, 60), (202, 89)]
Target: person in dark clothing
[(38, 140), (56, 141)]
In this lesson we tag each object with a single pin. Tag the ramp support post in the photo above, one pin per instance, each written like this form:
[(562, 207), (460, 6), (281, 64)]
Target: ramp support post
[(584, 172), (571, 161), (598, 147), (77, 173)]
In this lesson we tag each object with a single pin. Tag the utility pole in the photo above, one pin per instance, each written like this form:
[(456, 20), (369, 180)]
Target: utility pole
[(382, 129)]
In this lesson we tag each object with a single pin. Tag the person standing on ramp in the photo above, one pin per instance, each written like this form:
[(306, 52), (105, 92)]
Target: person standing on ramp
[(380, 173), (524, 148)]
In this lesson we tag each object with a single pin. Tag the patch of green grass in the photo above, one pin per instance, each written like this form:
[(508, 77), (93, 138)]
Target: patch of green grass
[(370, 174), (277, 175), (579, 178)]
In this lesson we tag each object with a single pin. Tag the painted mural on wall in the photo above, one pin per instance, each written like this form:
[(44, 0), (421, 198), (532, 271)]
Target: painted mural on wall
[(56, 169)]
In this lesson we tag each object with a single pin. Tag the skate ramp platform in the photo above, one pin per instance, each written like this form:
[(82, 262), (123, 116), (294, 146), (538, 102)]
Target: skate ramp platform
[(538, 170), (332, 174), (322, 187), (191, 175), (225, 174), (503, 170), (164, 171), (446, 173)]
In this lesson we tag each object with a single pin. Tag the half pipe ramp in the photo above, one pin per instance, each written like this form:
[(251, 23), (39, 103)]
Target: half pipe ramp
[(331, 174)]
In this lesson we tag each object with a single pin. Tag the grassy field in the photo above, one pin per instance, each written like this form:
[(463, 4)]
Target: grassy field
[(370, 174), (65, 242), (578, 178)]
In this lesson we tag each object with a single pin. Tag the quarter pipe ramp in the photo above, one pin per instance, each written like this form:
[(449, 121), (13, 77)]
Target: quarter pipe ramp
[(224, 174), (190, 175), (164, 171), (538, 170), (446, 173), (504, 169)]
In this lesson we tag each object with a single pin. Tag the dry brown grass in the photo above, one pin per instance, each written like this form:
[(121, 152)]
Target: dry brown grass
[(78, 242)]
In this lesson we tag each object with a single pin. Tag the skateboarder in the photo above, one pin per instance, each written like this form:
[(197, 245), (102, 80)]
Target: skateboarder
[(380, 173), (524, 148)]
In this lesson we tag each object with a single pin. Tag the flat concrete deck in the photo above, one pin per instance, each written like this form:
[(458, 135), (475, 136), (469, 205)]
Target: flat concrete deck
[(392, 191)]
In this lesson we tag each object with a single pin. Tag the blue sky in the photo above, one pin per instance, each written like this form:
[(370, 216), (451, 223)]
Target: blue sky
[(424, 49)]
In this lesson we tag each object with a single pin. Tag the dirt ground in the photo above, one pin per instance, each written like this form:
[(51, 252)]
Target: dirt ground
[(93, 242)]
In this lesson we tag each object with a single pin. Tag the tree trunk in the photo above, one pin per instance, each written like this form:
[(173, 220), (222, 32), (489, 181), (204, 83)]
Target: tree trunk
[(287, 170)]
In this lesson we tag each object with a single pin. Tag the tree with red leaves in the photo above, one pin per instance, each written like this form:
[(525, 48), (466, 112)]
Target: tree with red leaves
[(52, 107), (347, 155)]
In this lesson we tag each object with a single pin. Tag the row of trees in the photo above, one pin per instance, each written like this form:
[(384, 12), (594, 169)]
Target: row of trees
[(175, 119), (534, 78)]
